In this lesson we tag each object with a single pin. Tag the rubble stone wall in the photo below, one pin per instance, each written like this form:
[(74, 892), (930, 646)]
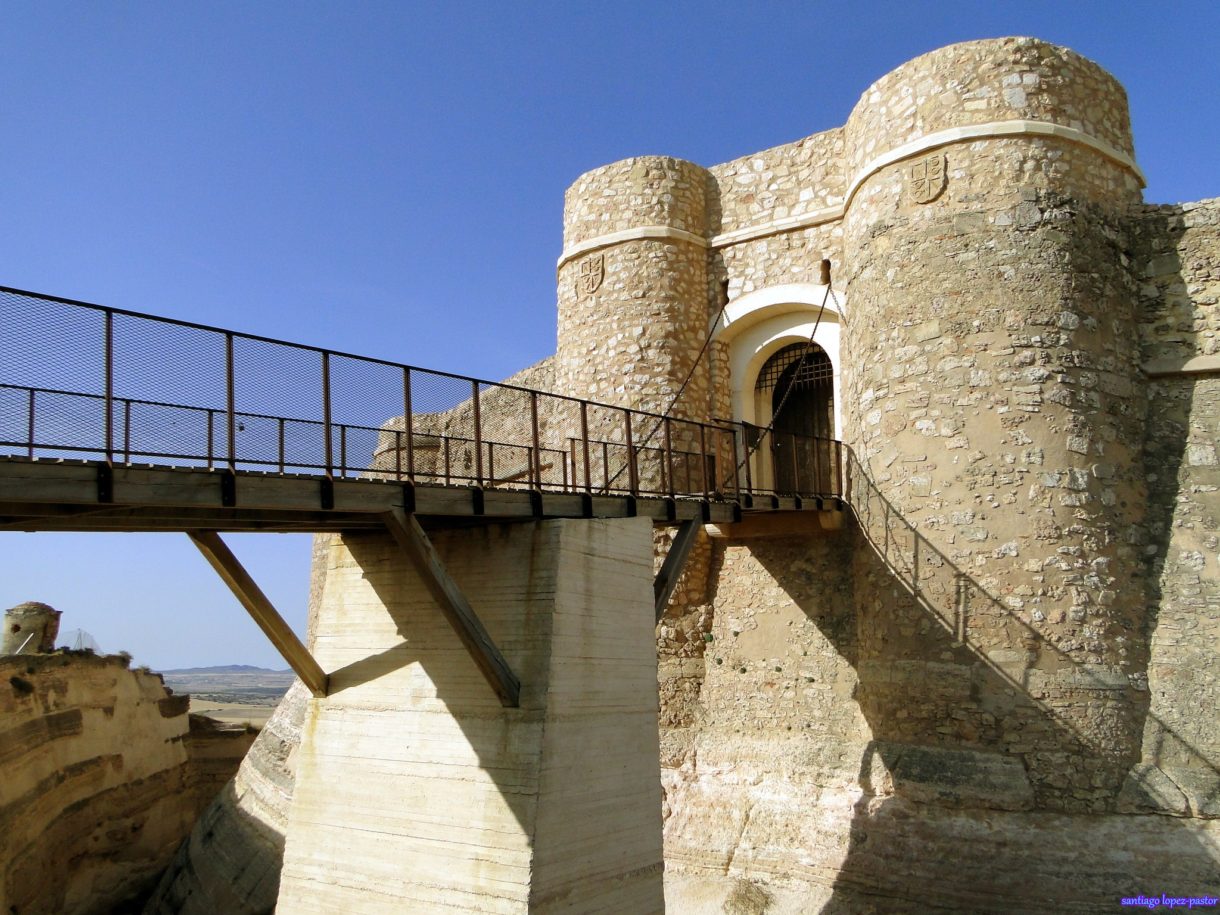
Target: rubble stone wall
[(1026, 600), (793, 181), (632, 337), (1179, 772), (991, 393)]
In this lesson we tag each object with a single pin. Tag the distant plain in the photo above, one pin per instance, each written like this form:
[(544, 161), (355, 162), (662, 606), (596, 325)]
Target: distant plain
[(234, 694)]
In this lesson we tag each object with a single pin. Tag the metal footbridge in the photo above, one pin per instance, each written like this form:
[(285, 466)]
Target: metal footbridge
[(113, 420)]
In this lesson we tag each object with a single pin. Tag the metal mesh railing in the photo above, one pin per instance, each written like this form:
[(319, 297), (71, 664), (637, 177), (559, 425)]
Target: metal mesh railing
[(784, 463), (84, 381)]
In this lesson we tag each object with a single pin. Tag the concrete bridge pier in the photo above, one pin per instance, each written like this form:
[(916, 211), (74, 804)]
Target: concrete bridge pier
[(417, 791)]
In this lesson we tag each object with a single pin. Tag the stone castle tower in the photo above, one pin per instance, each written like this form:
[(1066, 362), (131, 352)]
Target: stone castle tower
[(994, 689), (1023, 360)]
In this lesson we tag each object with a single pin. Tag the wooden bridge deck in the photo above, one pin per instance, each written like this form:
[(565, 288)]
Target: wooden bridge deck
[(78, 495)]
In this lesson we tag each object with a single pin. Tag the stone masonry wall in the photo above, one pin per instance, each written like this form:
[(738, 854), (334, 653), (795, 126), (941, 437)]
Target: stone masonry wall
[(789, 257), (633, 340), (1179, 770), (762, 778), (1179, 270), (990, 392), (977, 82), (789, 181), (1013, 533)]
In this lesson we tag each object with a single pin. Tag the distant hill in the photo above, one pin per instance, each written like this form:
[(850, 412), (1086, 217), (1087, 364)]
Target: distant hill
[(235, 683), (227, 669)]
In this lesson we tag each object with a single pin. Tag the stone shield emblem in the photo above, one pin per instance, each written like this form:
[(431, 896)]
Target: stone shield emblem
[(927, 178), (592, 272)]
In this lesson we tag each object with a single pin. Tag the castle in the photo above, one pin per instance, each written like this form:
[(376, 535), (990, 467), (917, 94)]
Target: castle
[(994, 689)]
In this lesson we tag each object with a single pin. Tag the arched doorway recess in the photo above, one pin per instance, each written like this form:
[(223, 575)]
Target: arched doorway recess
[(796, 386), (760, 326)]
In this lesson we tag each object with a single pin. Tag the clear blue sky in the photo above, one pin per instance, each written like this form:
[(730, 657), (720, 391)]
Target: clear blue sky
[(387, 179)]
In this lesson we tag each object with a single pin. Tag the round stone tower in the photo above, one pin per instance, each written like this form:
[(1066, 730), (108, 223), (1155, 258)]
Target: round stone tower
[(989, 393), (30, 628), (633, 299)]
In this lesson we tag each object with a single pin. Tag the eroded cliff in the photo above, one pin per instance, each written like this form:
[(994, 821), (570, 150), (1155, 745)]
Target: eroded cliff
[(103, 775)]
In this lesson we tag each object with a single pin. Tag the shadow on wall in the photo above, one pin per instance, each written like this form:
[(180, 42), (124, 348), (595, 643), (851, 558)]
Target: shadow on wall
[(952, 607), (392, 654), (431, 645), (231, 861), (1178, 316), (988, 743)]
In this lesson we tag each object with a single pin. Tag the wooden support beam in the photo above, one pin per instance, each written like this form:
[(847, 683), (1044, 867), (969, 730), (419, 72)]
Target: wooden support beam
[(671, 569), (407, 532), (258, 606), (163, 495)]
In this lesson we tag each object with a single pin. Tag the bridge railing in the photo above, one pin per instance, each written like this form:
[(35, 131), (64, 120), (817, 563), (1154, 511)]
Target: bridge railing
[(775, 461), (86, 381)]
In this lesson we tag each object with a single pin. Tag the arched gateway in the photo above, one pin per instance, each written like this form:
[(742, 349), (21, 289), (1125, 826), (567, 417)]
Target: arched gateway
[(783, 348)]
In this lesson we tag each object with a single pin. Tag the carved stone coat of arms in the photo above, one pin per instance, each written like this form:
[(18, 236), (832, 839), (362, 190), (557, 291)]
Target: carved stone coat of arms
[(927, 178), (592, 272)]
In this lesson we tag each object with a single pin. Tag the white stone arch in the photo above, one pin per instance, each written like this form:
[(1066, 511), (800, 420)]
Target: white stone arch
[(758, 324)]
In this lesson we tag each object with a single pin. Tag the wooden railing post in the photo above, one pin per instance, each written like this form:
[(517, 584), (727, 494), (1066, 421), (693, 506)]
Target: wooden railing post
[(633, 471), (30, 425), (230, 401), (745, 450), (584, 437), (736, 467), (703, 457), (326, 427), (211, 438), (109, 382), (669, 457), (537, 441), (408, 423), (126, 430), (478, 435)]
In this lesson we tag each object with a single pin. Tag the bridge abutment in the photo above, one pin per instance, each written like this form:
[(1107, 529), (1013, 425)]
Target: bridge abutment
[(417, 791)]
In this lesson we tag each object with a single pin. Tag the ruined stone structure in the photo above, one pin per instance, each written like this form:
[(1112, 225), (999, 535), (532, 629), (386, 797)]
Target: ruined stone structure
[(995, 688), (29, 628)]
